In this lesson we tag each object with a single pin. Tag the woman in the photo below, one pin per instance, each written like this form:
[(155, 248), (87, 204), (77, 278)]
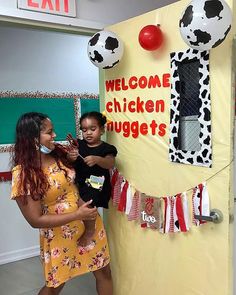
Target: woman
[(42, 185)]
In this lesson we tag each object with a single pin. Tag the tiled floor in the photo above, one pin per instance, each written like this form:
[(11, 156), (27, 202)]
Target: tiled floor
[(25, 278)]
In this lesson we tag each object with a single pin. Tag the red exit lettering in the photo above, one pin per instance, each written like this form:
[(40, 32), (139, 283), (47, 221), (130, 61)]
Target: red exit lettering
[(52, 5)]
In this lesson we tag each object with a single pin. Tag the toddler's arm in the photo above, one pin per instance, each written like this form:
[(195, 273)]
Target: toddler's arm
[(106, 162)]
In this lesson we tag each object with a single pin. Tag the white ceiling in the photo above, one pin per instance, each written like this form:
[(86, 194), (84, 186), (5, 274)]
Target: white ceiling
[(114, 11)]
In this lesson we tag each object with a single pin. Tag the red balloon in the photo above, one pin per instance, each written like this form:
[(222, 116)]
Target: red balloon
[(150, 37)]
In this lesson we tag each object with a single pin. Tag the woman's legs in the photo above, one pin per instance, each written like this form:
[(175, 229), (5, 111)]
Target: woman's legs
[(51, 291), (104, 281)]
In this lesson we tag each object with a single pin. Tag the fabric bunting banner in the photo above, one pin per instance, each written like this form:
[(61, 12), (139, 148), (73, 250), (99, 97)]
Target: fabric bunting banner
[(167, 214)]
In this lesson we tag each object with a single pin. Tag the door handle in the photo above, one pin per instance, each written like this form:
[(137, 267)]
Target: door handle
[(216, 216)]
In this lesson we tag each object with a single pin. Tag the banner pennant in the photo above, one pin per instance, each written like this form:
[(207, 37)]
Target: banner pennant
[(135, 207), (150, 212), (117, 189), (129, 198), (123, 197), (200, 202), (176, 214)]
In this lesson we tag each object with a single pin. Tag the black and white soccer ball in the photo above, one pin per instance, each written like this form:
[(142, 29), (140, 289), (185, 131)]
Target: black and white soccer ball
[(205, 23), (105, 49)]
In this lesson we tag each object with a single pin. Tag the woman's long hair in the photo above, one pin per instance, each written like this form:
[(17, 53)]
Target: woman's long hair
[(32, 181)]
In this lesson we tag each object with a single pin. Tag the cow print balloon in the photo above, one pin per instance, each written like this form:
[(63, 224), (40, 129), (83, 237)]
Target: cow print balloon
[(205, 23), (105, 49)]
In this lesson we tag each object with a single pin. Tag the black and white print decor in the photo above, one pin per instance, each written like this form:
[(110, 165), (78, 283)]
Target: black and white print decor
[(201, 156)]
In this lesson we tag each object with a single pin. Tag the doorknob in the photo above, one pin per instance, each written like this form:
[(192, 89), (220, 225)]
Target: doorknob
[(216, 216)]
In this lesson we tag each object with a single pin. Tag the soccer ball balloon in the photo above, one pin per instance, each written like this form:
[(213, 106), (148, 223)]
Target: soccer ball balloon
[(205, 23), (105, 49)]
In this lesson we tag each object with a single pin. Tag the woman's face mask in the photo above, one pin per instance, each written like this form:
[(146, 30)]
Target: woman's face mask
[(44, 149)]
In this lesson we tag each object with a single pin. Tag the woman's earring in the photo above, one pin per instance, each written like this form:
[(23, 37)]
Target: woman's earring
[(36, 144)]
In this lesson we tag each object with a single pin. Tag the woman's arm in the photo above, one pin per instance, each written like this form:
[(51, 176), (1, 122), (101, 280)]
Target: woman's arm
[(32, 212), (106, 162)]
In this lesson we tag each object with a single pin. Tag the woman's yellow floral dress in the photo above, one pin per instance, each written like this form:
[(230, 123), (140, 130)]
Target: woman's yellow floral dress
[(62, 258)]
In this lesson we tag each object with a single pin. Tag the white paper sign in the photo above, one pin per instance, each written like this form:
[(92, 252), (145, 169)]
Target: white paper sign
[(61, 7)]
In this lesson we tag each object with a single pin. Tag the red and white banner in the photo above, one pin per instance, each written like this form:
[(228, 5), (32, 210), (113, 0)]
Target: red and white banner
[(167, 214)]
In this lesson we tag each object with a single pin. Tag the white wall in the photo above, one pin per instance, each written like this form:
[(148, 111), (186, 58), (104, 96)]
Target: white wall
[(33, 60), (112, 11), (18, 239), (48, 61)]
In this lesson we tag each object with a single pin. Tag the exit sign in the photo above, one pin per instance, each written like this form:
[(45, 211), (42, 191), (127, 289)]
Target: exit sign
[(61, 7)]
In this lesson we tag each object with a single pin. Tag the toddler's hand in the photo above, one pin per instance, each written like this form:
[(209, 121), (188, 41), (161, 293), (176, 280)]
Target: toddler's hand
[(72, 155), (91, 160)]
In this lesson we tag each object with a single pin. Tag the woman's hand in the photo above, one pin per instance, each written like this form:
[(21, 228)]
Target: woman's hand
[(87, 213), (32, 212)]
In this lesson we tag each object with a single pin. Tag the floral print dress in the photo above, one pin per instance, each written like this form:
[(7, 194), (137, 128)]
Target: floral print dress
[(61, 256)]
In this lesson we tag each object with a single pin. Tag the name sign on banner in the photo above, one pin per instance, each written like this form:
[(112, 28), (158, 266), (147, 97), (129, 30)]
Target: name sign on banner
[(61, 7)]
